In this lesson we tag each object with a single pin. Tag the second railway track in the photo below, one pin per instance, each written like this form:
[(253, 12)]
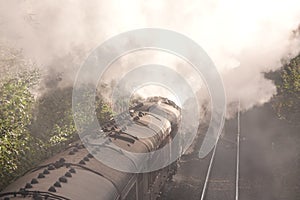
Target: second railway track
[(222, 177)]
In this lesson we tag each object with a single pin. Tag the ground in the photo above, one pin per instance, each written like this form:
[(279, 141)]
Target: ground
[(269, 162)]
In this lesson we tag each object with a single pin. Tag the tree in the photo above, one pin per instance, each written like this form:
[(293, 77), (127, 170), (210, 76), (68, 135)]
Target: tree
[(15, 117), (33, 129), (287, 101)]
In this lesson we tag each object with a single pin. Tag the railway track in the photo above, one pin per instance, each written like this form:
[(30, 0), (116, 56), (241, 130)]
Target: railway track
[(211, 183), (259, 163)]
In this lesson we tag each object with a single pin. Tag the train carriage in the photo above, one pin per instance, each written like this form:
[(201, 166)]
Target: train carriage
[(76, 173)]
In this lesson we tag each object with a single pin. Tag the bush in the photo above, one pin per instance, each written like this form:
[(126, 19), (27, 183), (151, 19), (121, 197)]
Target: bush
[(287, 101), (32, 130), (16, 105)]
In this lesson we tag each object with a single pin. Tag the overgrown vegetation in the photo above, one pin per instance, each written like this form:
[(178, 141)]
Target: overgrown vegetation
[(287, 101), (53, 117), (32, 129), (18, 148)]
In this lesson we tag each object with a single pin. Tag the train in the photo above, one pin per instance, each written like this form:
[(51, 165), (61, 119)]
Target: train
[(76, 174)]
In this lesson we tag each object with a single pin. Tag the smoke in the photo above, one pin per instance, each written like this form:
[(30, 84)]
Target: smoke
[(243, 38)]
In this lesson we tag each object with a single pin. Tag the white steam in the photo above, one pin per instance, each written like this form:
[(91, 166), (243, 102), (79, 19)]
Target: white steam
[(243, 38)]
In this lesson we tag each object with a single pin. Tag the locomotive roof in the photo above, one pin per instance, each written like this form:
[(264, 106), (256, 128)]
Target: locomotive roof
[(76, 174)]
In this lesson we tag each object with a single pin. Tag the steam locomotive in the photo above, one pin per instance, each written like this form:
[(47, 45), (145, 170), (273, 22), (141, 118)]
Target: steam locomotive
[(76, 174)]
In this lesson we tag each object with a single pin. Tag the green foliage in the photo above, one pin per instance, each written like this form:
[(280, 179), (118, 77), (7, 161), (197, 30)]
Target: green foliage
[(53, 117), (62, 134), (291, 78), (15, 116), (33, 129), (12, 62), (103, 110), (54, 123), (287, 101)]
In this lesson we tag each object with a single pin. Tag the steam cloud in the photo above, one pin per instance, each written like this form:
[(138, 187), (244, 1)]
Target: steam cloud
[(243, 38)]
